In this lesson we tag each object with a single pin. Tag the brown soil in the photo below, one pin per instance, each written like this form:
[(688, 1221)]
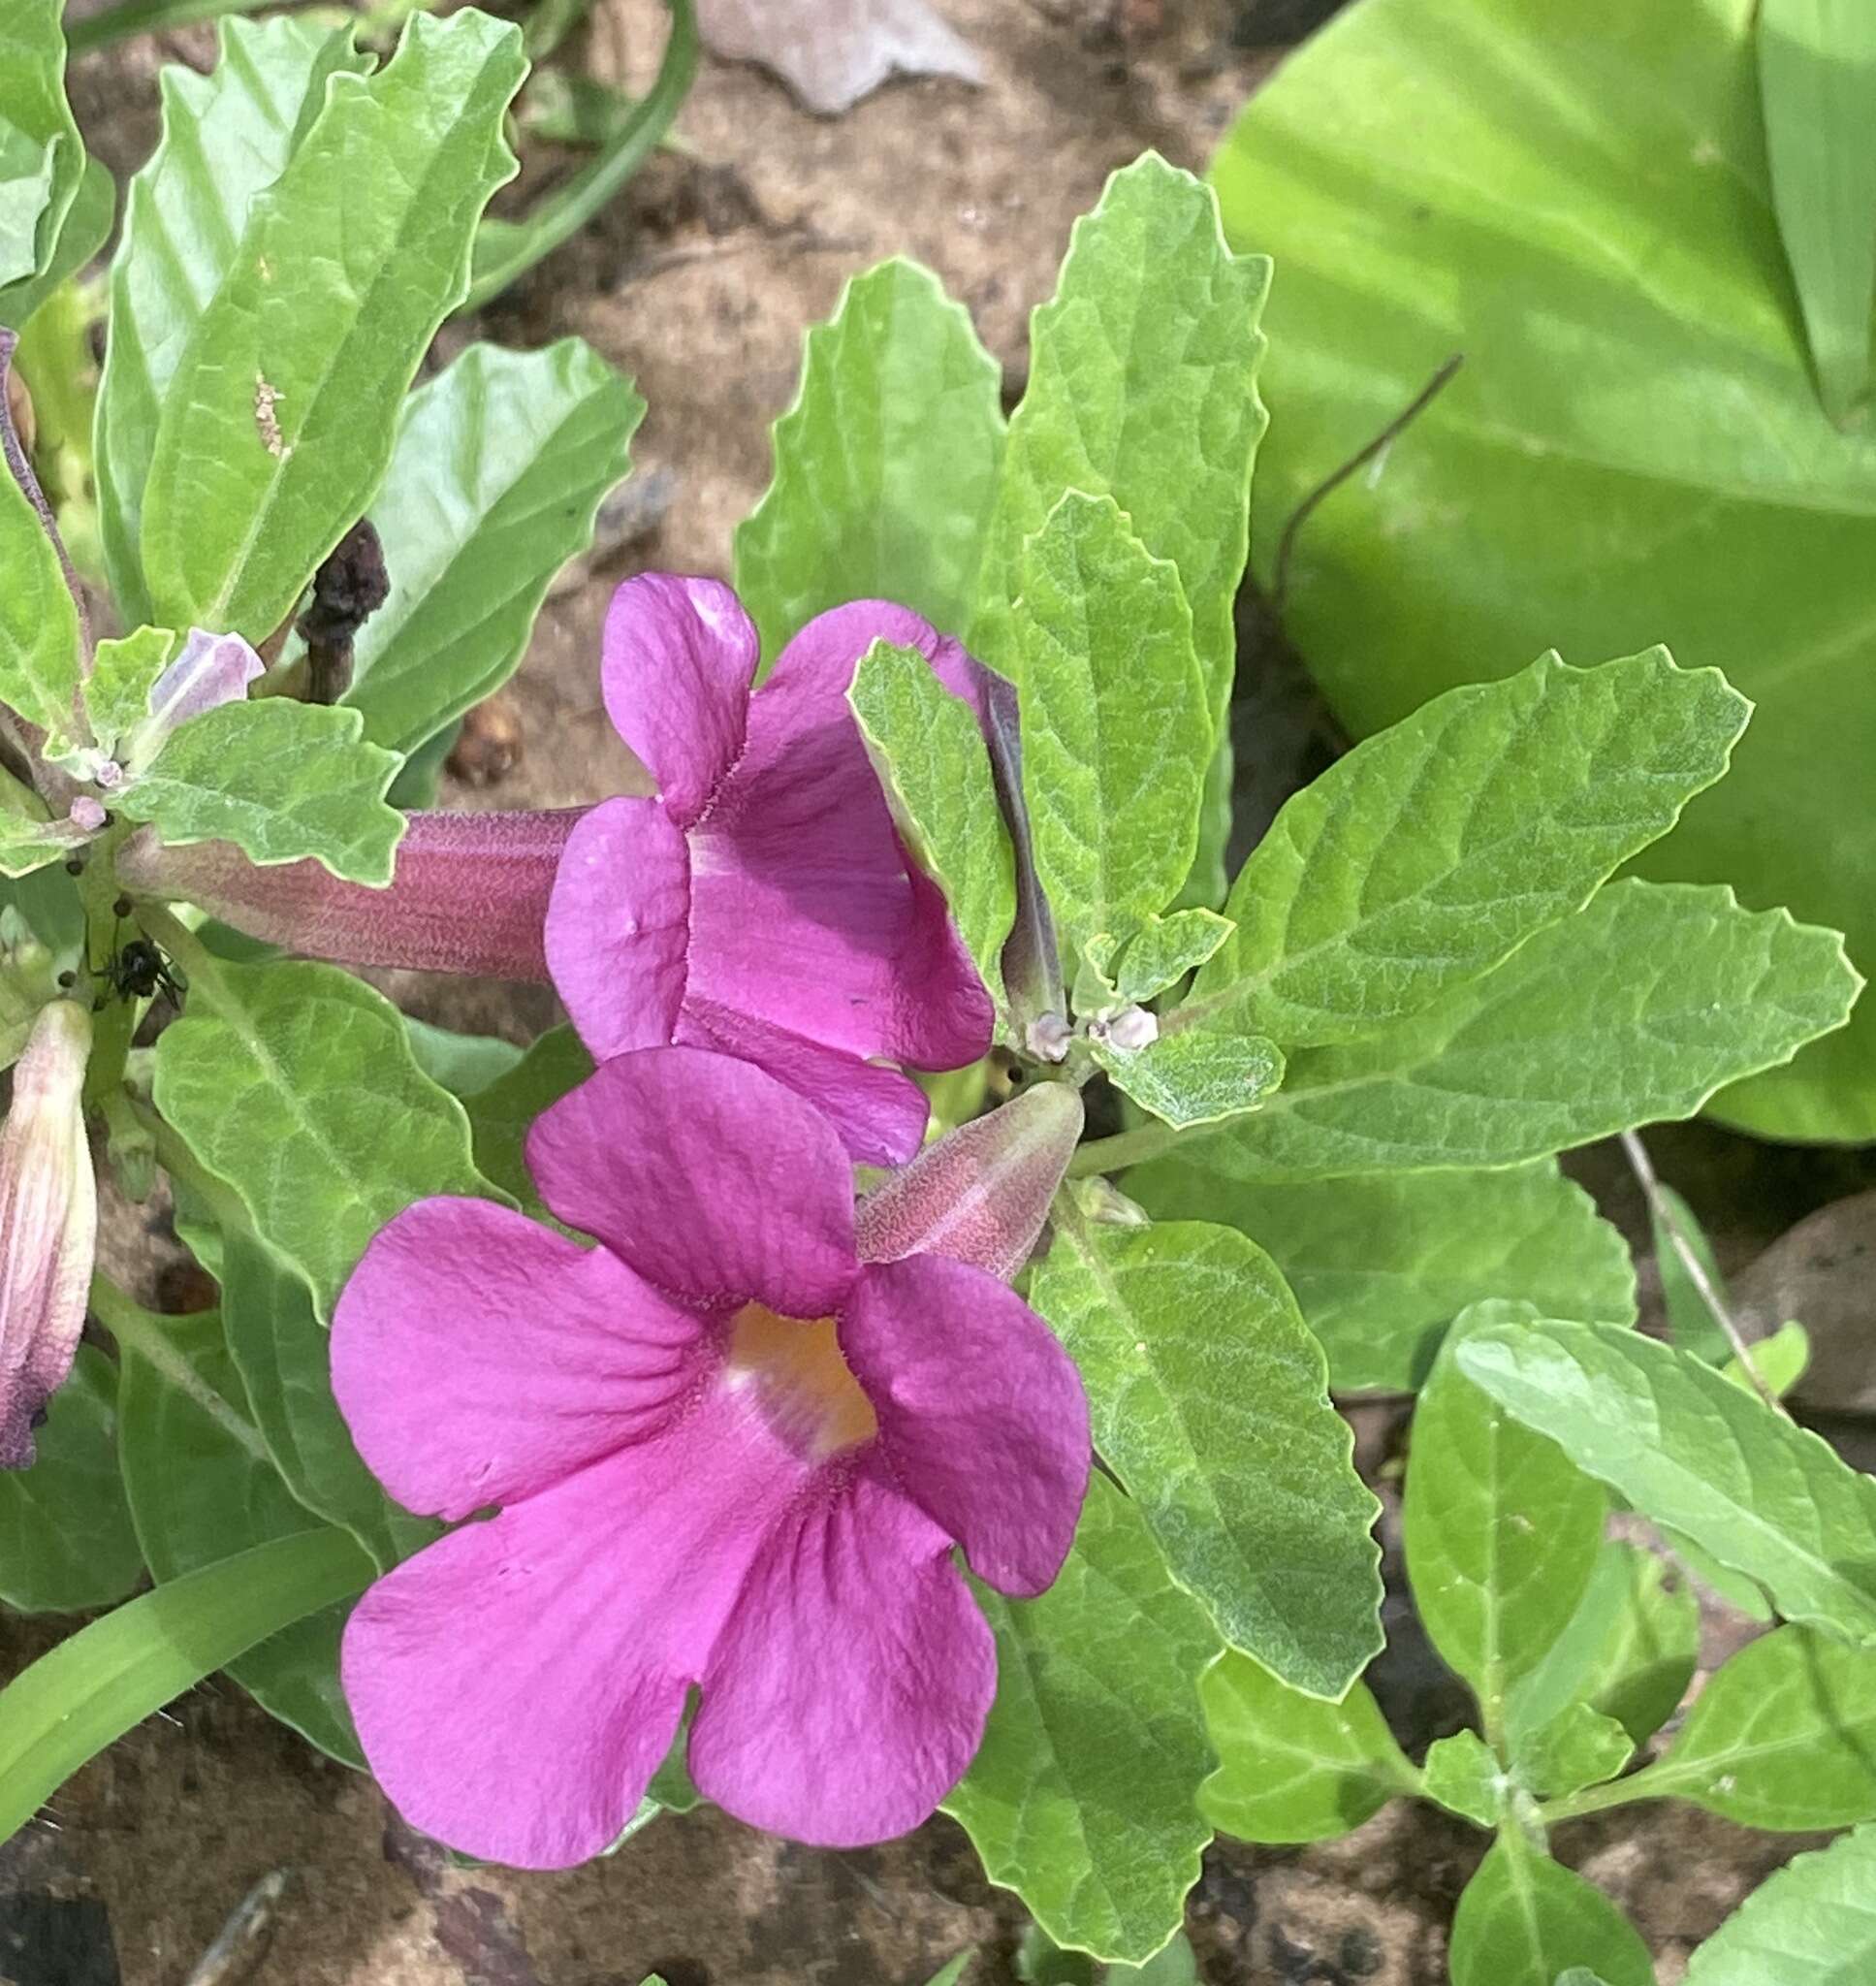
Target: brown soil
[(699, 283)]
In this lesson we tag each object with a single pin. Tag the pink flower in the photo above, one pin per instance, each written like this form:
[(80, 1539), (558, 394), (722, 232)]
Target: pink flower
[(763, 904), (726, 1452), (49, 1223)]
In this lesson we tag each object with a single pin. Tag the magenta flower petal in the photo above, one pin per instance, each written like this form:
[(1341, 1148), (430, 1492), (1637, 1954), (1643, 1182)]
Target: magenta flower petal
[(479, 1358), (880, 1114), (619, 926), (516, 1685), (677, 659), (805, 908), (848, 1689), (983, 1418), (705, 1176)]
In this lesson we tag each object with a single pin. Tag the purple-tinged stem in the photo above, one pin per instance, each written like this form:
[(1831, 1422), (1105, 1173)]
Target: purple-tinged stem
[(469, 894)]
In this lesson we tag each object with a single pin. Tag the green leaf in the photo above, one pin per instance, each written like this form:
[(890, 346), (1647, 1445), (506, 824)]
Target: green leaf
[(39, 619), (501, 1115), (107, 1678), (1691, 1323), (1292, 1768), (1502, 1533), (1163, 950), (117, 692), (280, 780), (497, 472), (1781, 1737), (1209, 1404), (66, 1543), (1644, 453), (465, 1065), (295, 1084), (885, 466), (1196, 1078), (1463, 1774), (1779, 1361), (1524, 1918), (930, 758), (1382, 1264), (506, 250), (1686, 1447), (226, 137), (86, 229), (1174, 1965), (1083, 1798), (1813, 1923), (947, 1975), (279, 423), (1579, 1746), (1116, 730), (202, 1486), (1639, 1007), (1429, 853), (41, 157), (1816, 81), (1042, 1962), (1143, 386), (1629, 1650), (280, 1350)]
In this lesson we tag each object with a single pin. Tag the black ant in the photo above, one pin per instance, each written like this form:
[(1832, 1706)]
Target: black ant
[(139, 971)]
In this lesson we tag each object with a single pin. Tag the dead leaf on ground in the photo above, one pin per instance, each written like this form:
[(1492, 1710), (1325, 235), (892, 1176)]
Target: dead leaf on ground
[(833, 53), (1821, 1272)]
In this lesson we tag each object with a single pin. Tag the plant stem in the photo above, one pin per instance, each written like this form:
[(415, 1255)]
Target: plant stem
[(1662, 1209), (1125, 1148), (141, 1332)]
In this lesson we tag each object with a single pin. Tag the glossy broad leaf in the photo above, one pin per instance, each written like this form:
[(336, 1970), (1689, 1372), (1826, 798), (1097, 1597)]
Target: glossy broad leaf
[(202, 1487), (1644, 458), (280, 421), (66, 1543), (1381, 1265), (1579, 1746), (930, 758), (281, 1352), (1292, 1768), (280, 780), (1636, 1008), (1084, 1797), (1817, 82), (1813, 1923), (1523, 1918), (226, 137), (1431, 852), (1143, 386), (885, 466), (499, 466), (1116, 730), (1209, 1404), (1629, 1650), (1686, 1447), (295, 1085), (108, 1678), (1783, 1736), (1501, 1531)]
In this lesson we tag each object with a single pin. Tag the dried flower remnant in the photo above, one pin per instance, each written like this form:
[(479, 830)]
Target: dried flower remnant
[(727, 1451)]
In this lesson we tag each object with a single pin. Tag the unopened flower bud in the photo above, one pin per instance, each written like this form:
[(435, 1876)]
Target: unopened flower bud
[(49, 1223), (981, 1193)]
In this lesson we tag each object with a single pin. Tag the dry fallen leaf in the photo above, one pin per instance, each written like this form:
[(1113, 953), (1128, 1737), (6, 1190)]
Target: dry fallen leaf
[(1818, 1272), (832, 53)]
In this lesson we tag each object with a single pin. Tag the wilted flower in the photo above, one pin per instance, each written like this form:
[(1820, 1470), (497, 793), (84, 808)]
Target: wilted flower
[(763, 904), (727, 1452), (49, 1223)]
